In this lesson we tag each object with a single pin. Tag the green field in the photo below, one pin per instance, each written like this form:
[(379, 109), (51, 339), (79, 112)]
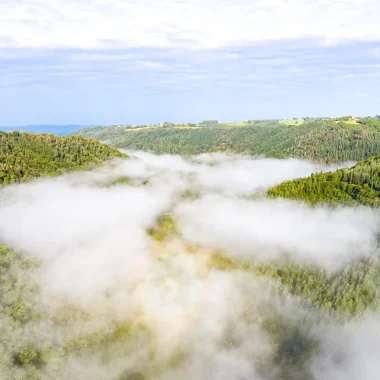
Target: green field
[(292, 122)]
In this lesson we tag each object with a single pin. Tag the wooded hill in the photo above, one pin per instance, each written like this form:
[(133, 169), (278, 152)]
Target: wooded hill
[(24, 156), (319, 140), (359, 185)]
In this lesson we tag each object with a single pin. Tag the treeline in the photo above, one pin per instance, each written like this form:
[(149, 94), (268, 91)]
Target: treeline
[(24, 156), (345, 293), (373, 122), (349, 292), (359, 185), (318, 140)]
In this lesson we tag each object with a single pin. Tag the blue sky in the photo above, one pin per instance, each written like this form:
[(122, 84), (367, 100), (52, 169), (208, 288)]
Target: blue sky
[(143, 61)]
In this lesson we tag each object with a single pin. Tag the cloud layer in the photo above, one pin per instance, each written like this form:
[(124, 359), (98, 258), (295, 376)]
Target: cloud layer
[(190, 23), (185, 319), (263, 230)]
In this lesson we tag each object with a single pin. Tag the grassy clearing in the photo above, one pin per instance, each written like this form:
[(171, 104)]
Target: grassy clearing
[(350, 122), (233, 123), (186, 127), (164, 229), (128, 181), (223, 263), (291, 122), (140, 128)]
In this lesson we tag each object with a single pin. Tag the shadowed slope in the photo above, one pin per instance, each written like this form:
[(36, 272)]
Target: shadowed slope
[(24, 156)]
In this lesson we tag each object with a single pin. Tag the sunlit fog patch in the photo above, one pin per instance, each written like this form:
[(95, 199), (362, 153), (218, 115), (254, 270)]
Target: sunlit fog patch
[(266, 229), (228, 173), (350, 351), (121, 278), (88, 236)]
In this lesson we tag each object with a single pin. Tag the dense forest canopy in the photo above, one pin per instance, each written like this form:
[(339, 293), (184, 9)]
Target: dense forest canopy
[(324, 140), (24, 156), (359, 185)]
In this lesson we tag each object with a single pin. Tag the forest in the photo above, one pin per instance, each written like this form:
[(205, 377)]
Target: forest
[(76, 302), (355, 186), (323, 140), (24, 156)]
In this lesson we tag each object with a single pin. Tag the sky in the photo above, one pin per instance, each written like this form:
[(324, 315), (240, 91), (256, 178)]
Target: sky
[(99, 62)]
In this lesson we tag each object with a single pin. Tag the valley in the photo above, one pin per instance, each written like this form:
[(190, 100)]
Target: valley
[(189, 190), (145, 266)]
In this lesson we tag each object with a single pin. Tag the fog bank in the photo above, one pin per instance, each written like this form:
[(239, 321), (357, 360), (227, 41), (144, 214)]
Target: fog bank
[(102, 270)]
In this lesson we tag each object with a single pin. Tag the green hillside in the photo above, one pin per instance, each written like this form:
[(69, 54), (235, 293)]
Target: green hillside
[(320, 140), (359, 185), (24, 156)]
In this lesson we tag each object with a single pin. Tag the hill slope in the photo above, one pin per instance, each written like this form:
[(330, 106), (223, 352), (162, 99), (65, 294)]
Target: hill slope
[(359, 185), (24, 156), (321, 140)]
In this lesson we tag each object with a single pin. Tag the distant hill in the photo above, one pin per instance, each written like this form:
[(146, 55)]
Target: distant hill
[(318, 140), (359, 185), (24, 156), (58, 130)]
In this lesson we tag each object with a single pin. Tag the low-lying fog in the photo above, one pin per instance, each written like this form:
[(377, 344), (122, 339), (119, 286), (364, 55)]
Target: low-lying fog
[(90, 235)]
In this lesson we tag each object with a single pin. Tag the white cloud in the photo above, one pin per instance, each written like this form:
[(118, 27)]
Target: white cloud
[(191, 23), (231, 56), (357, 344), (153, 65), (264, 230), (296, 69), (101, 57), (245, 175), (270, 61), (361, 75)]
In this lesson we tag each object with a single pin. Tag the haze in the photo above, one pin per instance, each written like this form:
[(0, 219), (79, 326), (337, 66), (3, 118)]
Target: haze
[(97, 256)]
